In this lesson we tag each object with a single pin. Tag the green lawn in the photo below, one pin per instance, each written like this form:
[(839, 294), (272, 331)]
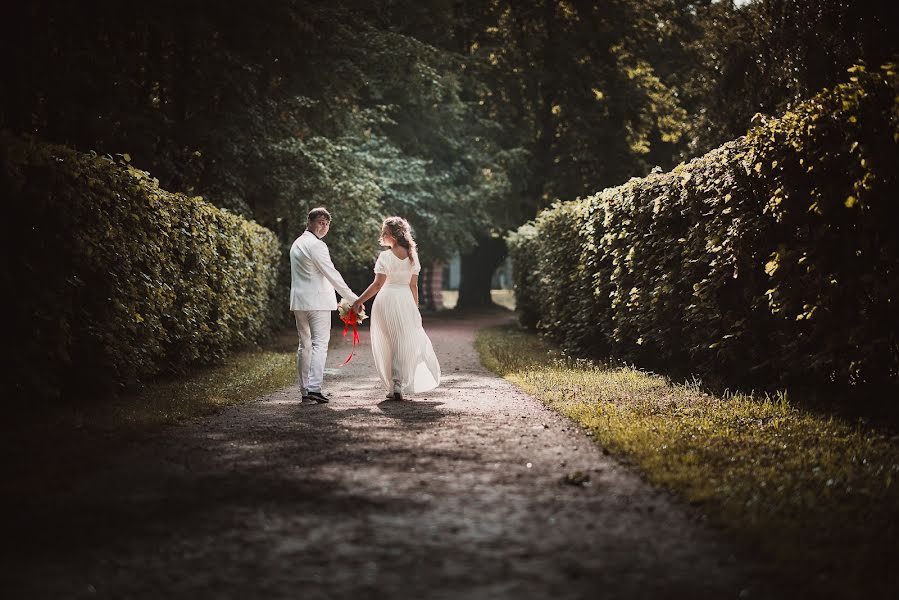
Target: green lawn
[(811, 491), (242, 377)]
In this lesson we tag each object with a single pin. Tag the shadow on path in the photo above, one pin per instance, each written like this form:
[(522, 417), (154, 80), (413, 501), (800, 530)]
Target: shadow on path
[(455, 494), (413, 413)]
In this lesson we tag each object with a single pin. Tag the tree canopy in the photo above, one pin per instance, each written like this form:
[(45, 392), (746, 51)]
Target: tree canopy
[(465, 116)]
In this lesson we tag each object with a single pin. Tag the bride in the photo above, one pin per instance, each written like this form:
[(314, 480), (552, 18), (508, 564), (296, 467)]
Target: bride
[(404, 356)]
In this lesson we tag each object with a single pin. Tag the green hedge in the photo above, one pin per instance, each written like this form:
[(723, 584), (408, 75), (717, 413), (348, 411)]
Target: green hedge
[(109, 278), (771, 260)]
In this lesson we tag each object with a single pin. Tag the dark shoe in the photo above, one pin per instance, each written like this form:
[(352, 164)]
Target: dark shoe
[(318, 397), (397, 396)]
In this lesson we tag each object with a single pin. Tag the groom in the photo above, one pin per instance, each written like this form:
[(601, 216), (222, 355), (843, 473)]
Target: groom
[(313, 280)]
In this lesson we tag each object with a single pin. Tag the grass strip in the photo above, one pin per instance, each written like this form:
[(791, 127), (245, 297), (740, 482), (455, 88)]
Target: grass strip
[(244, 376), (50, 447), (811, 491)]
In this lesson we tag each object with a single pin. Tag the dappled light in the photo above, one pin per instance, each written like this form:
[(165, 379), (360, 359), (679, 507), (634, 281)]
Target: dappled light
[(461, 299)]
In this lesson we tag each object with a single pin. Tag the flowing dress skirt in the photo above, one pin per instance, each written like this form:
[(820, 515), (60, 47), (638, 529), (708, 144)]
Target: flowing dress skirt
[(404, 356)]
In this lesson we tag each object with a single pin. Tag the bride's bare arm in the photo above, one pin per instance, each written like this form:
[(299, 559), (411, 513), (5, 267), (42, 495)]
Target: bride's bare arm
[(370, 291), (414, 286)]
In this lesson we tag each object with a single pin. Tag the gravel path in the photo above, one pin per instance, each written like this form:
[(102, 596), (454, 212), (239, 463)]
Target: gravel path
[(457, 494)]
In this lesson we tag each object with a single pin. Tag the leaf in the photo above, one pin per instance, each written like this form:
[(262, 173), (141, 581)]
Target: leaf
[(850, 202), (578, 478), (772, 265), (127, 157)]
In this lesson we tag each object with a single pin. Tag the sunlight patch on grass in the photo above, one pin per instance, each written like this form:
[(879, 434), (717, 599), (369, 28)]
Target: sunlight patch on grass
[(810, 490)]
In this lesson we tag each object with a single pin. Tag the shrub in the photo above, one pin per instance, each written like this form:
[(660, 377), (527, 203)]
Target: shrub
[(521, 249), (770, 260), (110, 278)]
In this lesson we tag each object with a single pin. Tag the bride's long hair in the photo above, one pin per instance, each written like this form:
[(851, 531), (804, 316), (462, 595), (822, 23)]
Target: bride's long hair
[(401, 231)]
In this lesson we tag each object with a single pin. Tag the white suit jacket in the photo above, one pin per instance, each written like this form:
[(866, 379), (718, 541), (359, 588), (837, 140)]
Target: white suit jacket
[(313, 278)]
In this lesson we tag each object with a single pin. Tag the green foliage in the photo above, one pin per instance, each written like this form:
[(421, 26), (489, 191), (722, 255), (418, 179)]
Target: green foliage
[(522, 245), (464, 117), (768, 261), (324, 109), (115, 278), (736, 61), (592, 107), (416, 134)]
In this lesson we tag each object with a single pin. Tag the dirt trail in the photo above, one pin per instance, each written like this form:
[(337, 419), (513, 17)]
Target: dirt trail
[(457, 494)]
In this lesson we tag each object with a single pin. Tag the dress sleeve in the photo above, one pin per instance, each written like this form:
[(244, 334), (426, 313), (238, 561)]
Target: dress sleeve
[(381, 265), (416, 267)]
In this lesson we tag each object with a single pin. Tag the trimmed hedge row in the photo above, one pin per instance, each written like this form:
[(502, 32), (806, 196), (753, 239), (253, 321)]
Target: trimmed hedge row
[(109, 278), (772, 260)]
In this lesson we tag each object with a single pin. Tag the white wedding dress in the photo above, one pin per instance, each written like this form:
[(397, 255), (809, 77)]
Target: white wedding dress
[(404, 356)]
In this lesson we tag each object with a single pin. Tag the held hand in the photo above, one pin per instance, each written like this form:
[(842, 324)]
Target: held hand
[(357, 306)]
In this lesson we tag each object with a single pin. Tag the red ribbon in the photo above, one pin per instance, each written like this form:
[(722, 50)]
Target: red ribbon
[(351, 319)]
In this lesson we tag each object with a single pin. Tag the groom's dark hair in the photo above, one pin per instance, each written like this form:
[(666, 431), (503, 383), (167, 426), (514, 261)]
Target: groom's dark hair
[(321, 211)]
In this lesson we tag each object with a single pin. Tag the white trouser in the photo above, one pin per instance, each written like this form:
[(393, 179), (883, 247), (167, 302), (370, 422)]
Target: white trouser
[(314, 330)]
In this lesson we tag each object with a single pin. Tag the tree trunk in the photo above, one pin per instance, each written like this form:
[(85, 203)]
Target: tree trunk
[(478, 266)]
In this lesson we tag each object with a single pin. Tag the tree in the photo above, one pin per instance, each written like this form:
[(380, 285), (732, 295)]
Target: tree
[(325, 108), (465, 116), (768, 54)]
